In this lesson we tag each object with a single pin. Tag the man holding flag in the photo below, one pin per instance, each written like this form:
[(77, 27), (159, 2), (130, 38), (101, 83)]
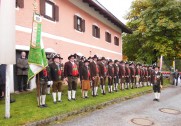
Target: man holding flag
[(37, 58)]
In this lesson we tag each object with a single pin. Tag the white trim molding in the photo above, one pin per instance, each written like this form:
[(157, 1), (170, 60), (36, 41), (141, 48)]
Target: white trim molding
[(67, 40)]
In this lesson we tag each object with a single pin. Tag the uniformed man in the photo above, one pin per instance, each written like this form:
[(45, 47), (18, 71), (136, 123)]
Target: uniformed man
[(138, 75), (103, 74), (127, 74), (56, 74), (71, 74), (81, 64), (116, 75), (132, 74), (145, 75), (150, 71), (94, 75), (157, 83), (49, 83), (122, 74), (110, 74), (85, 79), (43, 76)]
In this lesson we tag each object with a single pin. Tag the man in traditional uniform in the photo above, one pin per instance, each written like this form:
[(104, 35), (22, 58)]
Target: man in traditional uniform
[(145, 76), (49, 83), (132, 74), (116, 74), (81, 64), (85, 79), (138, 75), (110, 74), (56, 74), (94, 75), (150, 71), (157, 83), (122, 74), (127, 75), (103, 74), (71, 74), (43, 80)]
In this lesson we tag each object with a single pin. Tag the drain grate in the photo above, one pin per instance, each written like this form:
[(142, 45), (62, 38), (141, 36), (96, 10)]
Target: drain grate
[(170, 111), (142, 122)]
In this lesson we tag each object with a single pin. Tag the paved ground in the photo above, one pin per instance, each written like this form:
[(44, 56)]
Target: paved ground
[(141, 107)]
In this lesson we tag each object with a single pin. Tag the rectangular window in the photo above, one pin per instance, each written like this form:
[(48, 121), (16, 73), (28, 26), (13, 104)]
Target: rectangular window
[(108, 37), (20, 3), (95, 31), (116, 41), (79, 23), (49, 10)]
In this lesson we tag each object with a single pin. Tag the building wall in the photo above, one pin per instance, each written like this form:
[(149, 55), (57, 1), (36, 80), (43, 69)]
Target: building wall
[(63, 38)]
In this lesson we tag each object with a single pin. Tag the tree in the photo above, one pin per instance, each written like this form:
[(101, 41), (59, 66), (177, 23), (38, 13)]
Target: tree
[(156, 26)]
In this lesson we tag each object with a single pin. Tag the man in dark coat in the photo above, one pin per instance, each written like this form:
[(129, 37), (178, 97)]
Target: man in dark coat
[(110, 74), (132, 74), (116, 74), (71, 74), (127, 75), (122, 74), (22, 72), (57, 76), (94, 75), (103, 74), (157, 83), (138, 75)]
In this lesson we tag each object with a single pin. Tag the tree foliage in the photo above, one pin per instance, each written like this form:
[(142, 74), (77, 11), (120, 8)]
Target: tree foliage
[(156, 26)]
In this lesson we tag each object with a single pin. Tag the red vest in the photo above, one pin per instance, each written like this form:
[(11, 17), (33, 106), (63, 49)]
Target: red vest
[(74, 70)]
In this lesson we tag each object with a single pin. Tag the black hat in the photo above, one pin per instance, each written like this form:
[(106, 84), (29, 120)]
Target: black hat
[(130, 63), (126, 62), (156, 67), (72, 55), (86, 61), (115, 61), (57, 56), (83, 57), (103, 58), (122, 62), (110, 61), (89, 58), (95, 56)]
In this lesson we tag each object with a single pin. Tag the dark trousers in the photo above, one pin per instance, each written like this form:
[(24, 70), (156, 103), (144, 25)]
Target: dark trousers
[(110, 81), (156, 88), (22, 85), (57, 86), (72, 83)]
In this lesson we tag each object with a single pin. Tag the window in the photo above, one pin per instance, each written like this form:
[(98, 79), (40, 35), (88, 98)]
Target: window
[(116, 41), (108, 37), (79, 23), (95, 31), (20, 3), (49, 10)]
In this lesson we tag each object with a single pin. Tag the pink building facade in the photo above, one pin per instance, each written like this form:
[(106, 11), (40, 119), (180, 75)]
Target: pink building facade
[(71, 26)]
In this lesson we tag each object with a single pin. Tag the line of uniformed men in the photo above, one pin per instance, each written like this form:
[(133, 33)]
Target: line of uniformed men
[(93, 72)]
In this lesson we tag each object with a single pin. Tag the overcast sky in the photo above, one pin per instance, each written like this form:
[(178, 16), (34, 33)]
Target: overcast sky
[(118, 8)]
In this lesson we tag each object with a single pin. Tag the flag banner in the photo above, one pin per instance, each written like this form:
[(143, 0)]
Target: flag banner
[(37, 58)]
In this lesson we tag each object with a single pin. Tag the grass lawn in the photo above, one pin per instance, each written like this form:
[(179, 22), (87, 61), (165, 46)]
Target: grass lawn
[(25, 109)]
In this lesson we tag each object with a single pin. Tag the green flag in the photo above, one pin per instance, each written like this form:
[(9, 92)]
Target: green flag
[(37, 58)]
